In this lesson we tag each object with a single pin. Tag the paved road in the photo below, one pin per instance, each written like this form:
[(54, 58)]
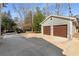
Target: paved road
[(15, 45)]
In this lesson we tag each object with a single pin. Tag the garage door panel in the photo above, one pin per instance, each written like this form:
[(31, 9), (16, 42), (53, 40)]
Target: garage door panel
[(46, 30), (60, 30)]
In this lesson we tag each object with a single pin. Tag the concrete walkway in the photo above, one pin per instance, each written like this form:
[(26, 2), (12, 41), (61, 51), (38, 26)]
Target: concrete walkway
[(70, 48)]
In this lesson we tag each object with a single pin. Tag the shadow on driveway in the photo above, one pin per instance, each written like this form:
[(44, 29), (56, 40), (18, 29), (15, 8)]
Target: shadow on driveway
[(45, 47)]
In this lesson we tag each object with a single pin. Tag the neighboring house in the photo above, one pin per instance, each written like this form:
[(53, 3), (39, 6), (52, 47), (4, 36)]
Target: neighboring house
[(59, 26)]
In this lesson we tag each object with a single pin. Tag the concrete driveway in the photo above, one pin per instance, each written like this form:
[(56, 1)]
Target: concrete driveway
[(16, 45)]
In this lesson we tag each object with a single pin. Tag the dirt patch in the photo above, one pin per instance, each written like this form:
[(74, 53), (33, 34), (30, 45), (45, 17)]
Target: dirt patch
[(76, 35)]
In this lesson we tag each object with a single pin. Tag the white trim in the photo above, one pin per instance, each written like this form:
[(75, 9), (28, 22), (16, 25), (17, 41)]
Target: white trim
[(67, 30), (44, 20), (71, 30), (51, 30), (69, 35), (42, 30)]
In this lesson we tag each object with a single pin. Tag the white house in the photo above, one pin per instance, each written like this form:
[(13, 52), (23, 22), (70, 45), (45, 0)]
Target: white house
[(59, 26)]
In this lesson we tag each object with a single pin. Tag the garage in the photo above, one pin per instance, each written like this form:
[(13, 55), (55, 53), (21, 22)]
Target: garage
[(60, 30), (59, 26), (46, 30)]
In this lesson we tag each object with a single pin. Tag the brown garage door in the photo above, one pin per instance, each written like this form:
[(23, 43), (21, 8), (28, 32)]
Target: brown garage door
[(60, 30), (46, 30)]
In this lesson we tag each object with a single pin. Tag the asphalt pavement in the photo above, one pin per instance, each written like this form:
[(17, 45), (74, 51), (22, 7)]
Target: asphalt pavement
[(16, 45)]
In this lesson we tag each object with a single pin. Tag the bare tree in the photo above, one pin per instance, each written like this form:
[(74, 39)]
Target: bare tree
[(58, 9), (21, 11), (18, 11)]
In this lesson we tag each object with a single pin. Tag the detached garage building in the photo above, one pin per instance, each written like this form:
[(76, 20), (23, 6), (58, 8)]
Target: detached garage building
[(59, 26)]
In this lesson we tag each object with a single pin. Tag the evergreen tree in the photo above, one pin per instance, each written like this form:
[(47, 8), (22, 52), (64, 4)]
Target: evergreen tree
[(37, 19), (7, 23)]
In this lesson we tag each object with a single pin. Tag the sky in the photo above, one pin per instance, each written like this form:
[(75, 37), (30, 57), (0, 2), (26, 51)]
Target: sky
[(51, 8)]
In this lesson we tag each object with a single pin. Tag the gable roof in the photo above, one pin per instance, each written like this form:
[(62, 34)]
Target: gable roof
[(73, 19), (61, 17)]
